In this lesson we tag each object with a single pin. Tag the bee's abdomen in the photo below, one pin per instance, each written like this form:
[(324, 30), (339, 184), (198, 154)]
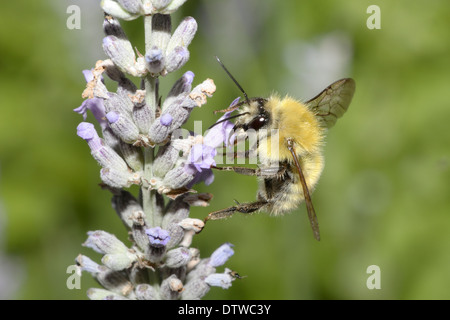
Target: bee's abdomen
[(280, 193), (285, 193)]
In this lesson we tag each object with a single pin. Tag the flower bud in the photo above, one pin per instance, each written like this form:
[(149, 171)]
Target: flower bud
[(125, 89), (165, 160), (120, 51), (146, 292), (116, 10), (119, 178), (177, 178), (183, 35), (141, 114), (123, 126), (179, 111), (126, 205), (176, 211), (132, 155), (119, 261), (178, 257), (176, 234), (181, 86), (177, 58), (114, 281), (132, 6), (112, 27), (201, 271), (195, 225), (119, 103), (104, 242), (102, 294), (195, 290), (110, 139), (171, 288), (199, 199), (160, 4), (173, 6)]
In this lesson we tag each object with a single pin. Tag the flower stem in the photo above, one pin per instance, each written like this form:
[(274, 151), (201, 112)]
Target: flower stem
[(148, 195)]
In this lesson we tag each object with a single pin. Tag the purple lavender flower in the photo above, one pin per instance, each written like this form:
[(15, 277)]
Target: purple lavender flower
[(220, 133), (97, 108), (202, 155), (221, 255), (158, 237), (95, 104), (86, 131)]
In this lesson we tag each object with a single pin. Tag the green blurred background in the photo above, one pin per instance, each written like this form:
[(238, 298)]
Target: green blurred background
[(383, 198)]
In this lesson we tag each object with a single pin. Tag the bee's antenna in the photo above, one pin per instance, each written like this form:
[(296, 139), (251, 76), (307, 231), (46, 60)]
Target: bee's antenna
[(232, 78), (229, 118)]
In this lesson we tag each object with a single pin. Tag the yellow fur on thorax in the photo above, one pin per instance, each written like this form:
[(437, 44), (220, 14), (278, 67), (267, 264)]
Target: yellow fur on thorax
[(293, 120)]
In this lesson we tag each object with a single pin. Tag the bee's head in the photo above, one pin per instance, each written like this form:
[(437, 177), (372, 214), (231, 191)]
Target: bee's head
[(254, 115)]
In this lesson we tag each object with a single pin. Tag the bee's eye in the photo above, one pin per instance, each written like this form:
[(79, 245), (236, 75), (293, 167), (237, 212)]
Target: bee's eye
[(257, 123)]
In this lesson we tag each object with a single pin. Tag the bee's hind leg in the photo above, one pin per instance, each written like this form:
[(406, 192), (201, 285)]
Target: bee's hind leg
[(243, 208)]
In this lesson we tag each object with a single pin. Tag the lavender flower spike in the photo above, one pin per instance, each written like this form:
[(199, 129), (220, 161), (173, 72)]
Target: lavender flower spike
[(142, 142)]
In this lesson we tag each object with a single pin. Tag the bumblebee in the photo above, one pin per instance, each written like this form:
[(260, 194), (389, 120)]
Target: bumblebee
[(301, 129)]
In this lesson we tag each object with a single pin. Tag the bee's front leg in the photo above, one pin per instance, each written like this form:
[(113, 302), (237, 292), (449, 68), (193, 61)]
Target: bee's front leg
[(265, 172), (243, 208)]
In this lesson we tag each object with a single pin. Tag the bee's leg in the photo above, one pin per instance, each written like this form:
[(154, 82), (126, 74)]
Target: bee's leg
[(241, 170), (266, 172), (243, 208)]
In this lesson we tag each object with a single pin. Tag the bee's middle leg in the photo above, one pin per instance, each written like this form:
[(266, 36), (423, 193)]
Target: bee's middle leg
[(243, 208)]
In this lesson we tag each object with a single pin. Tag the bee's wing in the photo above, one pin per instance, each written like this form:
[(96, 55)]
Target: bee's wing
[(331, 103)]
